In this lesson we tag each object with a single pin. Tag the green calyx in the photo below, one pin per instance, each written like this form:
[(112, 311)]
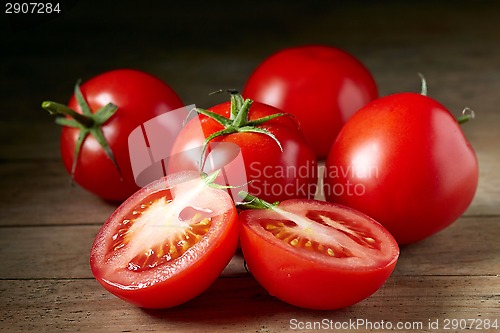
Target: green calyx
[(87, 122), (252, 202), (238, 121)]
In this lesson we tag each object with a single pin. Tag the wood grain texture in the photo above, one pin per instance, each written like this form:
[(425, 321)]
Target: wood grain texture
[(47, 226), (237, 304), (469, 248)]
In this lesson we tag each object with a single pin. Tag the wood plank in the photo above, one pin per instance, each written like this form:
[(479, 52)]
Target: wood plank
[(40, 193), (51, 252), (470, 247), (23, 140), (239, 304)]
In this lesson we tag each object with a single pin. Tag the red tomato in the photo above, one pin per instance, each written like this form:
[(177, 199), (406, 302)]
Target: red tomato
[(139, 97), (167, 243), (279, 165), (404, 161), (321, 86), (315, 254)]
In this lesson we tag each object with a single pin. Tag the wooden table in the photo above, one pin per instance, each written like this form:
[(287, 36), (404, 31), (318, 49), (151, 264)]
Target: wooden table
[(47, 226)]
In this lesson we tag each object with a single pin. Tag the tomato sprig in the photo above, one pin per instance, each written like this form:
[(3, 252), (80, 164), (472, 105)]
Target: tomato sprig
[(238, 122), (252, 202), (87, 122), (467, 113)]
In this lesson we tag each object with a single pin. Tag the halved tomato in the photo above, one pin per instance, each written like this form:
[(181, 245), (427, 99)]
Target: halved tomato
[(315, 254), (167, 243)]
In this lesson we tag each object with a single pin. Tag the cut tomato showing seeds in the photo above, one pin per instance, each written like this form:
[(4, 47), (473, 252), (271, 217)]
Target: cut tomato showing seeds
[(167, 243), (315, 254)]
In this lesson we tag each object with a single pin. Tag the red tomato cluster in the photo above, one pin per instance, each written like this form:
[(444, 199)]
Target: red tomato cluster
[(398, 169)]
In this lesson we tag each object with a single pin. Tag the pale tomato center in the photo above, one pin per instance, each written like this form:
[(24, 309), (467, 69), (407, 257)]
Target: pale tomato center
[(167, 229), (321, 232)]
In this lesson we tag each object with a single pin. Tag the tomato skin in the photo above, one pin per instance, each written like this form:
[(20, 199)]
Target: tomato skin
[(320, 85), (310, 282), (173, 283), (273, 173), (408, 156), (139, 97)]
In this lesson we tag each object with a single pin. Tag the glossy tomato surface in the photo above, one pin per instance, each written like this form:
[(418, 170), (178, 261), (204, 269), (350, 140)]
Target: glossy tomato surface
[(403, 160), (139, 97), (315, 254), (320, 85), (167, 243), (274, 173)]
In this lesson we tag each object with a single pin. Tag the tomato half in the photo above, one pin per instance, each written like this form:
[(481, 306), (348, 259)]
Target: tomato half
[(167, 243), (315, 254), (139, 97), (403, 160), (320, 85)]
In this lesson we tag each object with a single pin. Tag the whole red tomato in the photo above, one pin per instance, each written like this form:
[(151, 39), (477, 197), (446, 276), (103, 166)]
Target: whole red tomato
[(320, 85), (276, 161), (102, 163), (403, 160)]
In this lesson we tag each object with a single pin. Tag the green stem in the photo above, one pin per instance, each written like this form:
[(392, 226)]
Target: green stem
[(241, 118), (423, 91), (209, 179), (467, 114), (262, 120), (252, 202), (238, 122), (236, 103), (61, 109)]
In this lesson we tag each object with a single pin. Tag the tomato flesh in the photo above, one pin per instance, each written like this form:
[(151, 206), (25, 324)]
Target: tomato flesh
[(317, 255), (167, 243), (174, 246)]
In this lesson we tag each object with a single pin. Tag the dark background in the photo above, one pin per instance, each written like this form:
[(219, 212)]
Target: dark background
[(200, 47)]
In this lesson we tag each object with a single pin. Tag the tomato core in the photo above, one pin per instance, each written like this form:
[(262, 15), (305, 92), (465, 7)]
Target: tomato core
[(298, 237), (178, 234)]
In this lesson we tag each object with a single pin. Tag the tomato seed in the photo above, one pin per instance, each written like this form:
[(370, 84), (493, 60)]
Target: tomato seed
[(118, 246)]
